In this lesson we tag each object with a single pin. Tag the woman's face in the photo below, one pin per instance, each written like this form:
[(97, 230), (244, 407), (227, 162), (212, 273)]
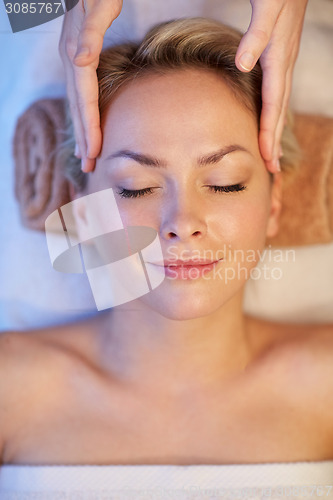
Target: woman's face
[(181, 154)]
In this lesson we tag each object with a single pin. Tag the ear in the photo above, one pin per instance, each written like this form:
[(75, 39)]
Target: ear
[(276, 204)]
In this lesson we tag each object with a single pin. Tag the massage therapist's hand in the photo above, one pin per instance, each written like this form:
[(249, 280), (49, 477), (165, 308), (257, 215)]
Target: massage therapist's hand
[(80, 45), (274, 35)]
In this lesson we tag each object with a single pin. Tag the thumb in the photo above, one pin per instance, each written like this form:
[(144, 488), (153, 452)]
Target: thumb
[(97, 20), (263, 20)]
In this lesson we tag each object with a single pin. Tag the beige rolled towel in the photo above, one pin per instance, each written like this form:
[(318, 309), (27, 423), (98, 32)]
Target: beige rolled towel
[(40, 186), (307, 195)]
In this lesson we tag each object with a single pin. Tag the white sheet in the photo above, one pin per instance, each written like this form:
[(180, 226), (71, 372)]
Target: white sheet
[(306, 480)]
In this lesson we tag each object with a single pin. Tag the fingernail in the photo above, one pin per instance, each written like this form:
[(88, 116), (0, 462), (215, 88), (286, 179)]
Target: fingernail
[(88, 152), (83, 165), (277, 165), (83, 52), (280, 152), (246, 61), (77, 151)]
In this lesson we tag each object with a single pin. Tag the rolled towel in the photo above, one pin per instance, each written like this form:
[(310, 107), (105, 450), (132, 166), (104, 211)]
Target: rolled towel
[(40, 184), (307, 193)]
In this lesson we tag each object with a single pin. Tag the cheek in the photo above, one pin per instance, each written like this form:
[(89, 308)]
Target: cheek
[(243, 224), (139, 213)]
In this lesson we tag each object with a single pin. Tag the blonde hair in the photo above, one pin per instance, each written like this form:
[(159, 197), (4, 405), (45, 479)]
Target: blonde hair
[(174, 45)]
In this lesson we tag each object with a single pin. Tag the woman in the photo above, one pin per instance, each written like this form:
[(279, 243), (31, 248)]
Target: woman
[(179, 375)]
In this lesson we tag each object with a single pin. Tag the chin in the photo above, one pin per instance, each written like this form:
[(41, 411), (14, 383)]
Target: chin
[(186, 304)]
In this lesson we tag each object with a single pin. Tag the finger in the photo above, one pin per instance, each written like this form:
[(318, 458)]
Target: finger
[(285, 104), (87, 99), (283, 115), (258, 35), (67, 48), (88, 164), (74, 108), (273, 92), (98, 19), (77, 151), (270, 140)]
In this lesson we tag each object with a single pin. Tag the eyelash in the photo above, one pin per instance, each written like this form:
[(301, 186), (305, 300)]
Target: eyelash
[(127, 193), (228, 189)]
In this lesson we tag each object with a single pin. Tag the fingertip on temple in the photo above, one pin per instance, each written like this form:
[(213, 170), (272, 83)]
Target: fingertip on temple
[(240, 67), (245, 61)]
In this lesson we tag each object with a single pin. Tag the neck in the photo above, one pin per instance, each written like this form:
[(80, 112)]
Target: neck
[(170, 357)]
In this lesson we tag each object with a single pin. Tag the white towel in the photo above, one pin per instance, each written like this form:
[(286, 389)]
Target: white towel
[(306, 480)]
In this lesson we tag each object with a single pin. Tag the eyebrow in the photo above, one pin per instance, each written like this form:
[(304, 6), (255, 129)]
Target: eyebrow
[(150, 161)]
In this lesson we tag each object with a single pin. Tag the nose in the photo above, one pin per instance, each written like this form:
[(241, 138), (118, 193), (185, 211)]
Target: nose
[(183, 220)]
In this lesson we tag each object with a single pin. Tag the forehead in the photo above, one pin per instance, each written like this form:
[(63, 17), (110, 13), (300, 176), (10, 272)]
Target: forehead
[(176, 105)]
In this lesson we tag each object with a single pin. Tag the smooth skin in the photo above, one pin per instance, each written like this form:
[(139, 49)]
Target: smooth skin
[(273, 36), (198, 382)]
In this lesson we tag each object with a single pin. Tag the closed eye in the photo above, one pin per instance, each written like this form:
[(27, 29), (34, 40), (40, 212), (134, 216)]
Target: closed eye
[(129, 193), (227, 189)]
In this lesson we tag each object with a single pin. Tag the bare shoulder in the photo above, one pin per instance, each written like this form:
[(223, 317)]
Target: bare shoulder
[(21, 354), (39, 354), (311, 367), (5, 342), (15, 352), (18, 351), (17, 347), (302, 366), (32, 369), (304, 353), (301, 349), (310, 354)]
